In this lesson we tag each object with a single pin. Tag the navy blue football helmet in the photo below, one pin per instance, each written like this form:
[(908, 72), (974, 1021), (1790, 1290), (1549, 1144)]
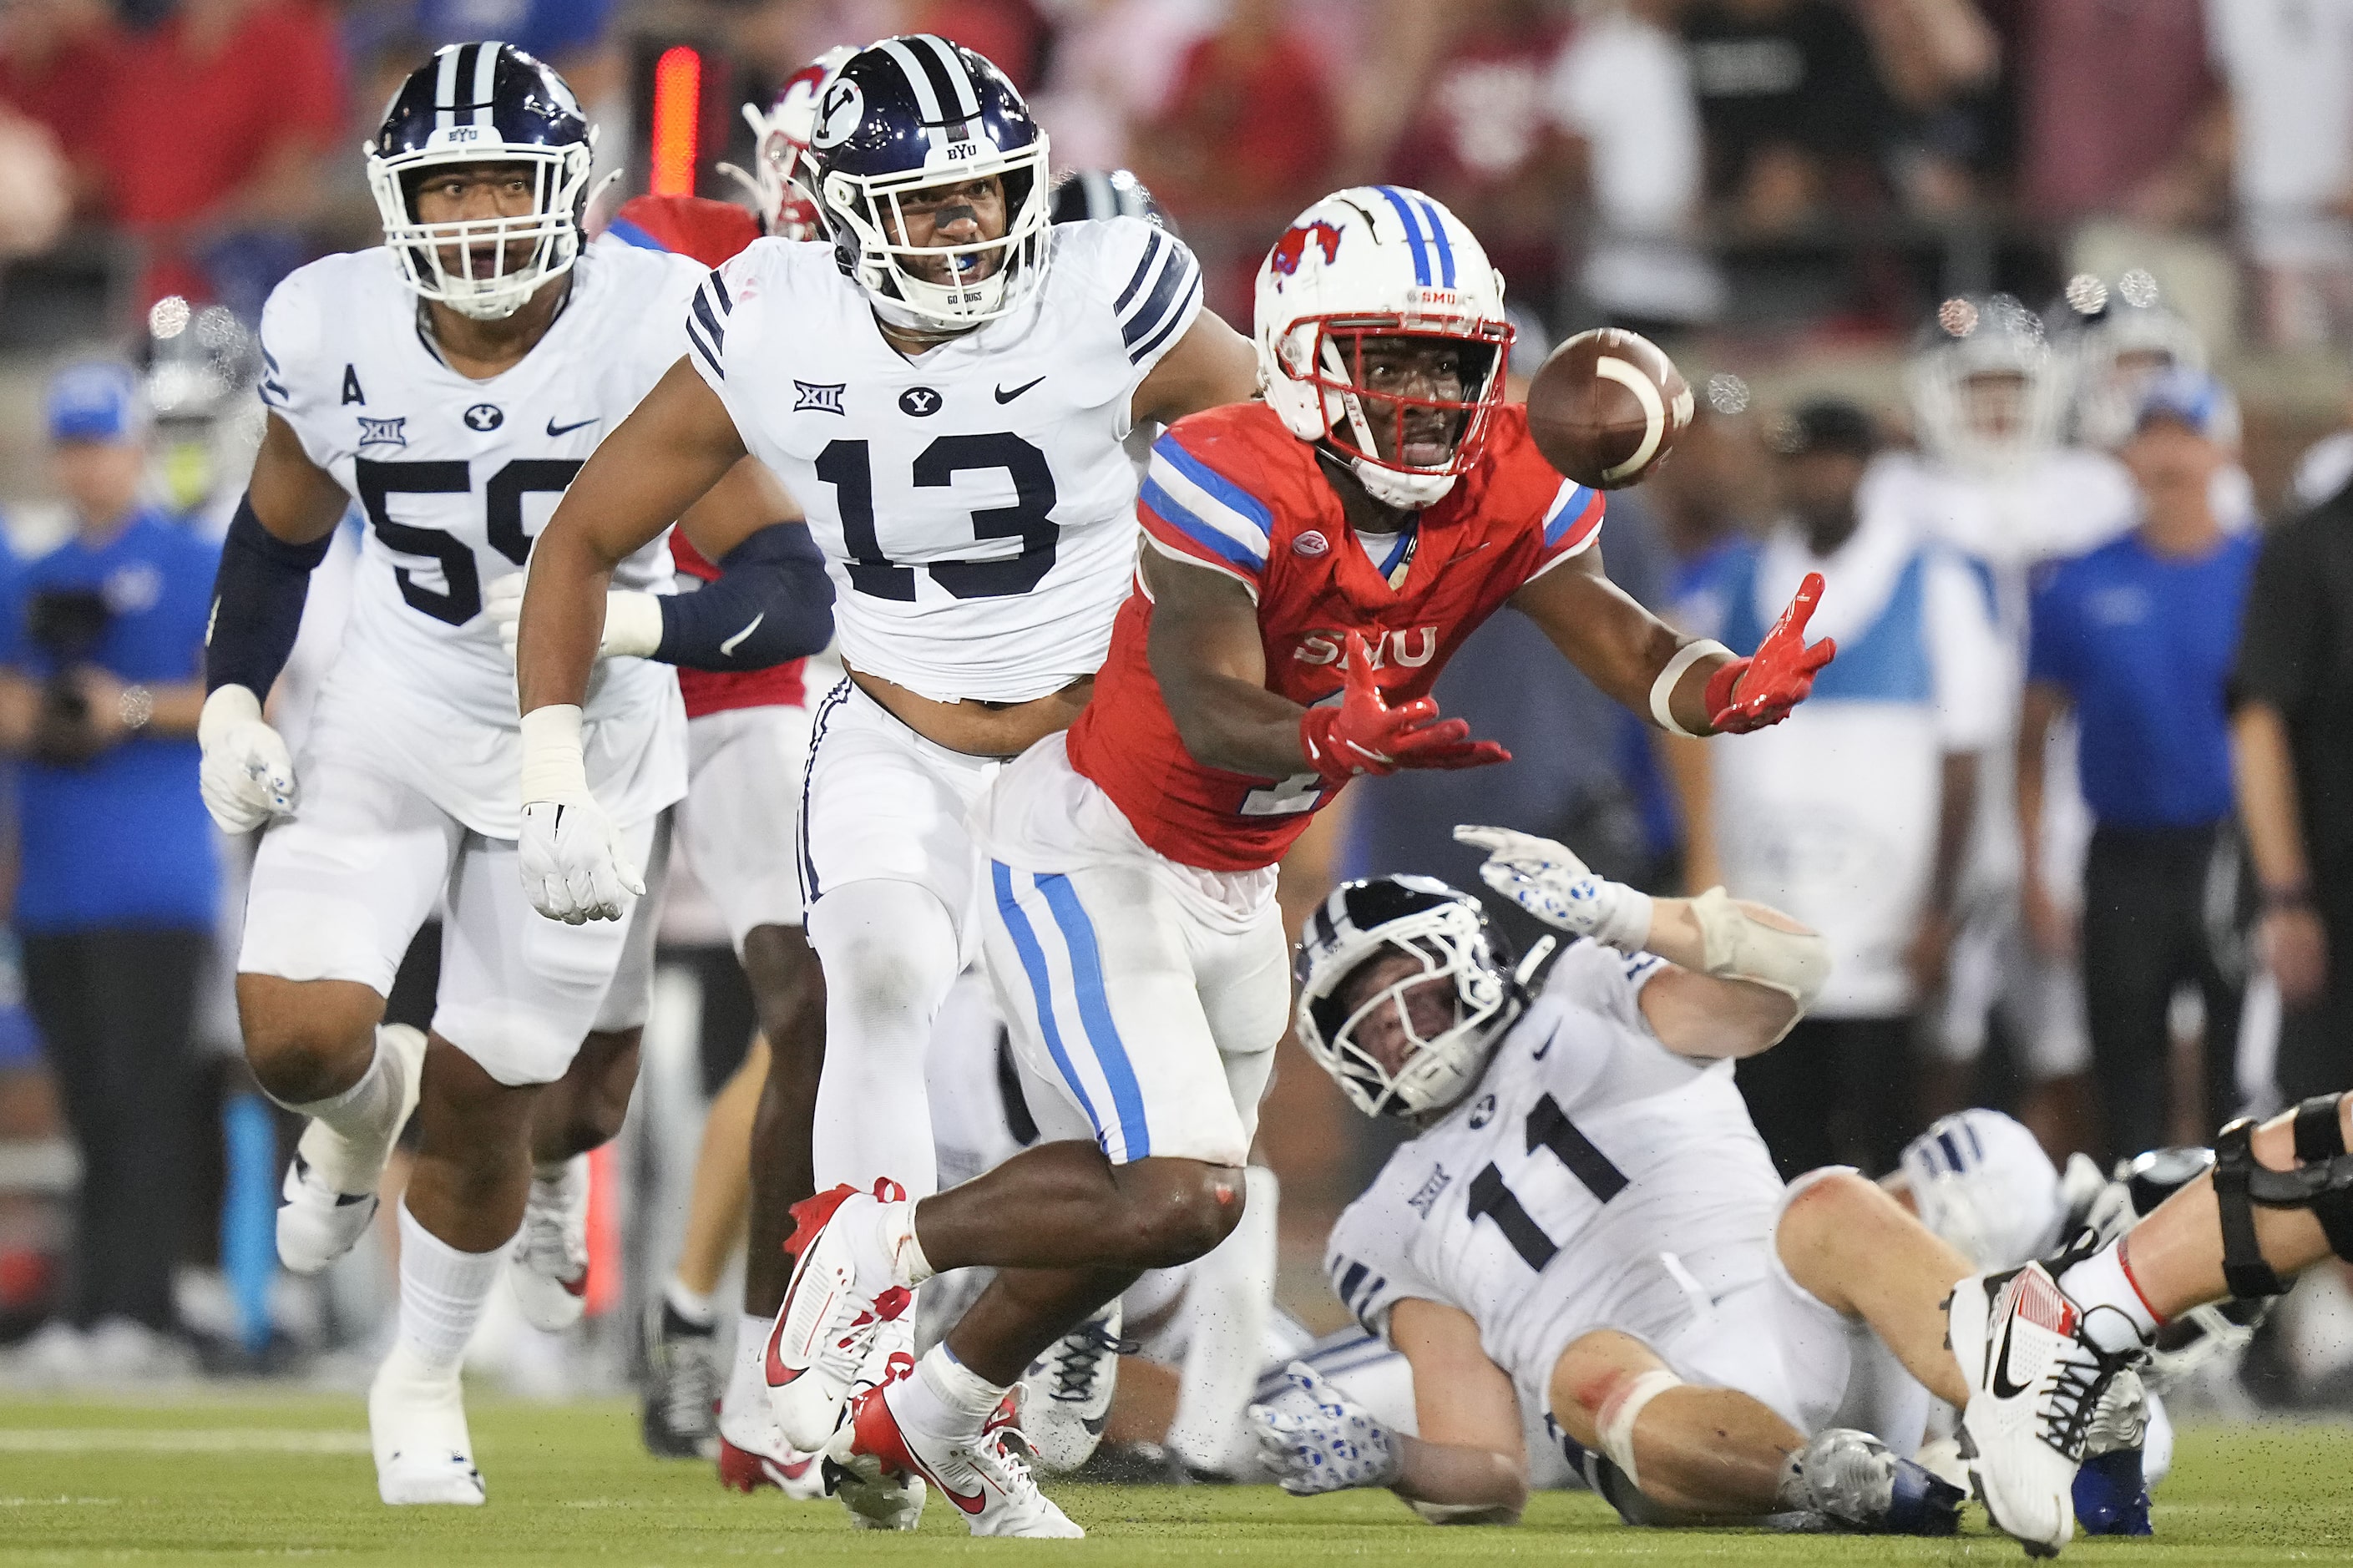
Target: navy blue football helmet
[(483, 103), (1086, 193), (916, 111)]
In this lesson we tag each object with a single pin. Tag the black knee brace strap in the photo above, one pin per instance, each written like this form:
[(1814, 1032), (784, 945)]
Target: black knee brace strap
[(2322, 1184)]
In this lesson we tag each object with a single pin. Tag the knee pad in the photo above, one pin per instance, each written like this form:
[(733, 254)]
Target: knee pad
[(2321, 1183)]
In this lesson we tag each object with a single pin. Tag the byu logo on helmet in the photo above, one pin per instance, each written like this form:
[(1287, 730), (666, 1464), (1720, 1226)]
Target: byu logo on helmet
[(843, 107)]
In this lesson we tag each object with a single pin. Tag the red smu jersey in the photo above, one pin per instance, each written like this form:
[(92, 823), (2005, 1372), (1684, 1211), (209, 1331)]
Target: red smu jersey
[(1235, 491), (711, 232)]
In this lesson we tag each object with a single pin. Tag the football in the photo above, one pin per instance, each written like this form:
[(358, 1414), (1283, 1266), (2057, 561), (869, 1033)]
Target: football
[(1606, 407)]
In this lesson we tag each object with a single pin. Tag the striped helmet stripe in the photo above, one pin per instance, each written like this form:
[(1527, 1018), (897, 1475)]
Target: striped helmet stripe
[(1438, 237), (1412, 233), (486, 74), (927, 92), (445, 85), (952, 81)]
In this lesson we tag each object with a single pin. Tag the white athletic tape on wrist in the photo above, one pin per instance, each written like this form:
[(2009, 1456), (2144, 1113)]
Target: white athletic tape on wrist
[(553, 767), (1735, 945), (1617, 1419), (1662, 690), (633, 625)]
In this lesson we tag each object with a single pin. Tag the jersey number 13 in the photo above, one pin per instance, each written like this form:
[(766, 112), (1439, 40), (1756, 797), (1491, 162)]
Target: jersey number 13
[(849, 467)]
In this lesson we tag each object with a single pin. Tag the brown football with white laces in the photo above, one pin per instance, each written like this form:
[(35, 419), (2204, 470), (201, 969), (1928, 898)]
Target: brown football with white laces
[(1606, 406)]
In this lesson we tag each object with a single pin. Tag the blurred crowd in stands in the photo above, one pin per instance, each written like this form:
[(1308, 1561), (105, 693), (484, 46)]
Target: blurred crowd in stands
[(2075, 803)]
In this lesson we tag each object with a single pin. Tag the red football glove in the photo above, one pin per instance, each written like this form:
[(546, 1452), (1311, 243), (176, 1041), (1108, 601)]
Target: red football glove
[(1753, 693), (1361, 734)]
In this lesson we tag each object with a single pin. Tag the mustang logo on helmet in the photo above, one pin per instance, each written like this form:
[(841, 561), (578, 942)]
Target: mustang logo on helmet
[(1292, 249)]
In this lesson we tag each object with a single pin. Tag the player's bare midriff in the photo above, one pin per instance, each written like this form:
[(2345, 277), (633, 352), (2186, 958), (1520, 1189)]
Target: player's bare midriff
[(978, 728)]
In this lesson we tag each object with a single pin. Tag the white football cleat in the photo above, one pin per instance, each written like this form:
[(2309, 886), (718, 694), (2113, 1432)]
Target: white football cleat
[(417, 1426), (548, 1267), (828, 1324), (2036, 1384), (330, 1192), (800, 1476), (987, 1481), (1065, 1397)]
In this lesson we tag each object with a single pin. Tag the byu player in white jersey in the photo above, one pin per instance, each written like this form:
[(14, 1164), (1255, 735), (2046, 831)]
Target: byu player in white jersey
[(945, 388), (453, 382), (1989, 396), (1587, 1222)]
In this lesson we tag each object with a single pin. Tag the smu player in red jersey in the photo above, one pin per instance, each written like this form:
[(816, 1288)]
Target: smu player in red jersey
[(1314, 561)]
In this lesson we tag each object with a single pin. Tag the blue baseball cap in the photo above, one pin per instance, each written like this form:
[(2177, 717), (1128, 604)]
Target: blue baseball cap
[(2193, 398), (95, 400)]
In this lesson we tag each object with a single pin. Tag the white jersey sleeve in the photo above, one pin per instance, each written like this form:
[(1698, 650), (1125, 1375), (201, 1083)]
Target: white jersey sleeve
[(974, 502), (1367, 1261)]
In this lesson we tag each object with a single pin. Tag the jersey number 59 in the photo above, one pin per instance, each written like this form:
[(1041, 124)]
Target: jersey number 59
[(460, 599)]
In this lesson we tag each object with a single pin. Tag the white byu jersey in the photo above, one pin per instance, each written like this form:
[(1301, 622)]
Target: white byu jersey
[(1593, 1180), (974, 503), (456, 477)]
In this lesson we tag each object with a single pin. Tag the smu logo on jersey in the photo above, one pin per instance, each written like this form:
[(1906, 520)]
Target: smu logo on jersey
[(1292, 249), (1411, 648)]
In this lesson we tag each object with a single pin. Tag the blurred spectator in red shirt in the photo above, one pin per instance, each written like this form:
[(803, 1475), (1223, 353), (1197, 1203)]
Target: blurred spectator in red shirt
[(1796, 116), (213, 141), (2122, 113), (1008, 33), (1482, 139), (57, 65), (1246, 140)]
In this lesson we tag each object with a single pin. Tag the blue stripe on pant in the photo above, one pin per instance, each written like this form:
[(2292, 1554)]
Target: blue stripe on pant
[(1098, 1033)]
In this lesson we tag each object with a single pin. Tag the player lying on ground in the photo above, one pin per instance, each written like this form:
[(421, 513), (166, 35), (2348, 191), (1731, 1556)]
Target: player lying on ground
[(2046, 1346), (1586, 1219), (450, 383), (944, 389), (1381, 500)]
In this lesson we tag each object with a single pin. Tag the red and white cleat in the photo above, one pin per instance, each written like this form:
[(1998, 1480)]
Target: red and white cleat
[(987, 1481), (2037, 1381), (832, 1309), (800, 1476)]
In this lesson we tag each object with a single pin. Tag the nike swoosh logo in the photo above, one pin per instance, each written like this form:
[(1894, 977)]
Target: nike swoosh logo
[(1005, 397), (727, 649), (779, 1373), (555, 429), (2003, 1388), (1543, 1050)]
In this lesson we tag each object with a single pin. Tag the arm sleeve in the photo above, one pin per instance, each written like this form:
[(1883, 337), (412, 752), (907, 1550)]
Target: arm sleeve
[(1366, 1260), (1572, 523), (772, 602), (1973, 697), (2281, 649), (257, 597), (1194, 513)]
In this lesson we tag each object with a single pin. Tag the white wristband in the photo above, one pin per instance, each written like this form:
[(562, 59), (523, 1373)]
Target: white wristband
[(1662, 690), (553, 768), (633, 625)]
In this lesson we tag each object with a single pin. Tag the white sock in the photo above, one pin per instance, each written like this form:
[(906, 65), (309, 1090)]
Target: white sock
[(361, 1120), (442, 1293), (946, 1397), (694, 1306), (2103, 1280), (887, 1246), (1228, 1302), (746, 1418)]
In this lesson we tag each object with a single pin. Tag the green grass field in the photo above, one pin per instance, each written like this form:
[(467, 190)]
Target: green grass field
[(234, 1479)]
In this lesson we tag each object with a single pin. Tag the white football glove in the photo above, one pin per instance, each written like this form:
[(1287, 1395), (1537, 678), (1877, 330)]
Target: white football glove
[(1549, 882), (575, 867), (633, 623), (1316, 1439), (246, 776)]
